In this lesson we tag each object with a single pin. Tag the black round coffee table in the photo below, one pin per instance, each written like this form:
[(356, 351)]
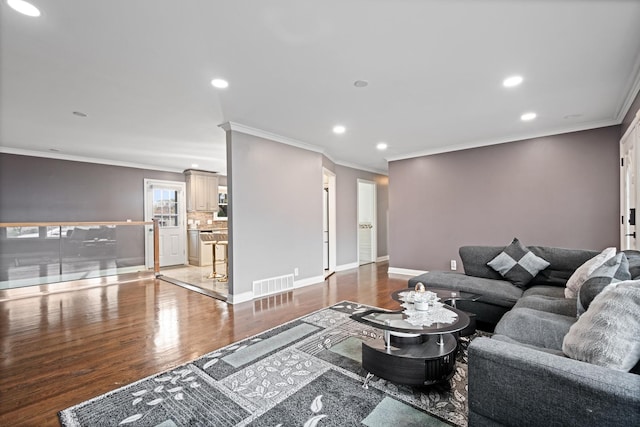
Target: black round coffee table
[(411, 354)]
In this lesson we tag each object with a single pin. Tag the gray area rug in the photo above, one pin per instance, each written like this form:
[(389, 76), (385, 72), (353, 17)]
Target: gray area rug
[(306, 372)]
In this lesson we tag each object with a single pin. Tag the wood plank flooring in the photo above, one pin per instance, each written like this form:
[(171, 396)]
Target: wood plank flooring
[(60, 349)]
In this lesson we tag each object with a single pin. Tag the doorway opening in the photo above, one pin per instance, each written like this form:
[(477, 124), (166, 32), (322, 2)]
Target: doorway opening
[(329, 258), (367, 227)]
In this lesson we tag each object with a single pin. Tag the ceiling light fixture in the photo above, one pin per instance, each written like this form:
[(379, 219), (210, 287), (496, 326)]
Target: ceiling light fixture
[(361, 83), (339, 129), (528, 116), (23, 7), (219, 83), (512, 81), (382, 146), (194, 165)]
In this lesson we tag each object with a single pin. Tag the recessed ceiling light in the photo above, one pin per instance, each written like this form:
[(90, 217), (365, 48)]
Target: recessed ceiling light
[(382, 146), (361, 83), (79, 114), (194, 165), (219, 83), (512, 81), (339, 129), (528, 116), (23, 7)]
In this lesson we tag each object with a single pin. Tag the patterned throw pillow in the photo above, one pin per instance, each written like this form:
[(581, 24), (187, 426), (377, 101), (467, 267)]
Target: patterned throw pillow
[(582, 273), (615, 269), (518, 264), (607, 334)]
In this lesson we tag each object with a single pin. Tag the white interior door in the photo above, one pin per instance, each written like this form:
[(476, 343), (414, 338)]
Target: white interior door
[(629, 186), (165, 201), (367, 229)]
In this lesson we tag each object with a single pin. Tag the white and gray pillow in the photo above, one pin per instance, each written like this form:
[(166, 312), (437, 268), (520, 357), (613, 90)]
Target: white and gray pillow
[(607, 333), (518, 264), (613, 270), (582, 273)]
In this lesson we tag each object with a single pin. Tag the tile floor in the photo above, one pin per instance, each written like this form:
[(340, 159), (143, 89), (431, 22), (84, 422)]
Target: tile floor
[(199, 277)]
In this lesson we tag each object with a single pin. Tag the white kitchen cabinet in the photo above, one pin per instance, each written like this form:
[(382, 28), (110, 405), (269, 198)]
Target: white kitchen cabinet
[(202, 191)]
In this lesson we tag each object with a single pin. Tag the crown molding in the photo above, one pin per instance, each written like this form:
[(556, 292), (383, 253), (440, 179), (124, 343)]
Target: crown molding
[(238, 127), (504, 140), (59, 156), (362, 168), (634, 89)]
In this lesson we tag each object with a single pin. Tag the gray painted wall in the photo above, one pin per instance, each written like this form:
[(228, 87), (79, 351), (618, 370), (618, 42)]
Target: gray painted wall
[(275, 215), (561, 190), (347, 215), (628, 118), (276, 210), (36, 189)]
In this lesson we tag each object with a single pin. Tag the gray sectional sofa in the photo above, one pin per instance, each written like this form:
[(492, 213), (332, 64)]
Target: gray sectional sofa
[(521, 375)]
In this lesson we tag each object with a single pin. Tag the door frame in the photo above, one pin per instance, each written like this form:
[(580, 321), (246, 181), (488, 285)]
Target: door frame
[(630, 138), (182, 215), (331, 184), (374, 232)]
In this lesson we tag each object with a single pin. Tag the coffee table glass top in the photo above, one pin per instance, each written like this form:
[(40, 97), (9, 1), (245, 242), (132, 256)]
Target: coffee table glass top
[(446, 295), (397, 321)]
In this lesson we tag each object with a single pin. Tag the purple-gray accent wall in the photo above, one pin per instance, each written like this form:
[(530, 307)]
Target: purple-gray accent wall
[(561, 190), (347, 215), (38, 189), (275, 212)]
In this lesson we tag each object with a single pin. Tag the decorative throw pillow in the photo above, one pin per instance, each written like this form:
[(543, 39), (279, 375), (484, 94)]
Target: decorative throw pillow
[(582, 273), (615, 269), (518, 264), (607, 334)]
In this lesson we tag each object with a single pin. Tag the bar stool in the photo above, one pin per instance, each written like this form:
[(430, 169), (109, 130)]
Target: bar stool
[(222, 240)]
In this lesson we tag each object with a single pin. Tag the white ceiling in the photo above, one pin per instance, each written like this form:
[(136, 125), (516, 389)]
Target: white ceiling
[(141, 71)]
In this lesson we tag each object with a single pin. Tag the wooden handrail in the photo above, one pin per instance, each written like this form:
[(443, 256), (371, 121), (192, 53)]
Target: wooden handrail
[(56, 224)]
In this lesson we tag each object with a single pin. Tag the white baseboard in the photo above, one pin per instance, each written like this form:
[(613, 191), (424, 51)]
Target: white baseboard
[(382, 258), (346, 266), (238, 298), (405, 271), (308, 281)]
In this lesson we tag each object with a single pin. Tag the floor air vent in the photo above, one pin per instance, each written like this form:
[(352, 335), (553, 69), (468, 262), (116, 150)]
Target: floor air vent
[(273, 285)]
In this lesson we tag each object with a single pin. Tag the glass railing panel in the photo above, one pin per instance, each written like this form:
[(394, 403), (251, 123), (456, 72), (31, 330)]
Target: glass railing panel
[(46, 253)]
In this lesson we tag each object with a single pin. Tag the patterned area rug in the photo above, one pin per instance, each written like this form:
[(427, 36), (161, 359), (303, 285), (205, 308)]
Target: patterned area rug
[(306, 372)]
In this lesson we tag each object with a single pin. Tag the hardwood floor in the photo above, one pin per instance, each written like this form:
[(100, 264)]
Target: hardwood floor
[(61, 349)]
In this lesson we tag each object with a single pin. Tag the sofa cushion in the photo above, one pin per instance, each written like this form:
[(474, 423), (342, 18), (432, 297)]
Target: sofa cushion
[(607, 333), (634, 263), (534, 327), (563, 306), (548, 291), (518, 264), (505, 338), (475, 259), (563, 263), (613, 270), (582, 273), (498, 292)]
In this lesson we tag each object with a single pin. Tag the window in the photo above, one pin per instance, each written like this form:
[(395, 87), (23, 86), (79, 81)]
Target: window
[(165, 207)]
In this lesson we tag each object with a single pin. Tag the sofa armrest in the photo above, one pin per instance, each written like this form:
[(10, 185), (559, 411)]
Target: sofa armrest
[(513, 385)]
